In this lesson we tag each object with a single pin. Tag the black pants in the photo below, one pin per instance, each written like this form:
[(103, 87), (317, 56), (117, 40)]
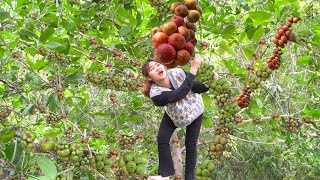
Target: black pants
[(165, 160)]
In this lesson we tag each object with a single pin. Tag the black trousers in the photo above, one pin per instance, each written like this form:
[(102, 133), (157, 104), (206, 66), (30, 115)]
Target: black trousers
[(166, 129)]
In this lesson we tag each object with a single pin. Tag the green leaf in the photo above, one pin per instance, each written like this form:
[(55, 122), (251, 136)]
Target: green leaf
[(75, 77), (32, 51), (53, 102), (305, 60), (206, 100), (4, 15), (228, 31), (48, 168), (206, 122), (137, 102), (51, 19), (259, 16), (6, 135), (231, 65), (273, 122), (2, 52), (132, 19), (288, 138), (13, 44), (257, 35), (227, 48), (26, 34), (247, 52), (284, 2), (246, 7), (28, 110), (53, 45), (46, 34), (40, 178), (277, 152), (313, 113), (13, 152), (124, 30)]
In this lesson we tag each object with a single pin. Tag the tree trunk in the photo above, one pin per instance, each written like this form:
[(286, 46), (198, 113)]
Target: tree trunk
[(177, 155)]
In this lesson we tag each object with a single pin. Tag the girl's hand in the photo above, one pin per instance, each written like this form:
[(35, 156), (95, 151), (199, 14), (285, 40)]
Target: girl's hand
[(195, 64)]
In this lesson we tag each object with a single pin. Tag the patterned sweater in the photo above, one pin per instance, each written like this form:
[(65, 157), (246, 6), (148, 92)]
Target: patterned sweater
[(183, 104)]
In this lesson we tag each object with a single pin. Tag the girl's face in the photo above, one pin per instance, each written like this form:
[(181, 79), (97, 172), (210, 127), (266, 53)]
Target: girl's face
[(156, 71)]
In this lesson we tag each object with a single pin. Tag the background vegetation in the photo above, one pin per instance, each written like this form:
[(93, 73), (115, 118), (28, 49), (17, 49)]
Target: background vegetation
[(49, 50)]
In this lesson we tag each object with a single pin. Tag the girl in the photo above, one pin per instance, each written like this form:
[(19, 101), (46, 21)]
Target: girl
[(179, 94)]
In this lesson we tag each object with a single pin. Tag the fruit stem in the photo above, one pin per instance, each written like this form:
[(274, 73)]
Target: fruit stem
[(254, 59), (65, 171), (76, 127), (255, 142)]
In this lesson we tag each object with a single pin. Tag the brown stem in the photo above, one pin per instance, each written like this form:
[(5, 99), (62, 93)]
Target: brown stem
[(5, 82)]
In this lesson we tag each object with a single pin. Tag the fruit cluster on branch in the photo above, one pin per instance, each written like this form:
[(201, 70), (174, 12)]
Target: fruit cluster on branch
[(217, 147), (27, 138), (272, 63), (131, 164), (114, 81), (128, 141), (175, 40), (59, 57), (52, 118), (221, 91), (205, 170), (293, 125), (42, 108)]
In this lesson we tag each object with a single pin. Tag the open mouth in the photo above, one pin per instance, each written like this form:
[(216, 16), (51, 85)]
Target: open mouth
[(160, 72)]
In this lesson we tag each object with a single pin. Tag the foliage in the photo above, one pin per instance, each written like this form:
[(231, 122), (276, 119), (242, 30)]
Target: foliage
[(48, 48)]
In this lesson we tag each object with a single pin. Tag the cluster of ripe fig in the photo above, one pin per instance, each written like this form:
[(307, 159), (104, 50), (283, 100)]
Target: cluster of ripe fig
[(284, 32), (243, 99), (175, 40), (273, 62)]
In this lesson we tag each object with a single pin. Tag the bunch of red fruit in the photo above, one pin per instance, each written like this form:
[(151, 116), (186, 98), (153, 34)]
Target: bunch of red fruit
[(284, 32), (281, 38), (175, 40), (274, 60), (243, 99)]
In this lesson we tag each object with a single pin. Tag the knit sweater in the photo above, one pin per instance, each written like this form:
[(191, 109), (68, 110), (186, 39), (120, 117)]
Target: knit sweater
[(182, 103)]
